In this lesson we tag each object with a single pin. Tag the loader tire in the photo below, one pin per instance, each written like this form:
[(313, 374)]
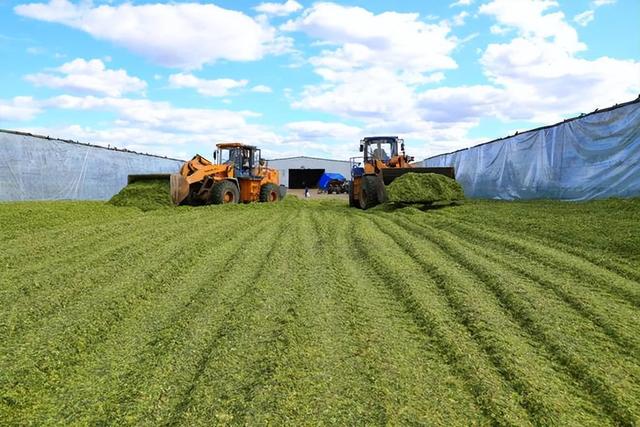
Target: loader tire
[(225, 192), (352, 197), (269, 193), (283, 191), (368, 196)]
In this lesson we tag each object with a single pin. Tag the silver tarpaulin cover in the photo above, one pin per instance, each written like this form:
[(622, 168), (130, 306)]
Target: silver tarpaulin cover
[(591, 157), (37, 168)]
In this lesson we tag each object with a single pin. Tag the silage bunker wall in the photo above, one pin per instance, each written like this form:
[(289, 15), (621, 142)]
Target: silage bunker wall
[(590, 157), (38, 168)]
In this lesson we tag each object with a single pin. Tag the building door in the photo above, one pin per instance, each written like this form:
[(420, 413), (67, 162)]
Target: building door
[(299, 178)]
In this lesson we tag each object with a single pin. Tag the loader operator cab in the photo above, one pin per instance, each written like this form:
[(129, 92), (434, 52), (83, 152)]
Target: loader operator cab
[(245, 158), (381, 148)]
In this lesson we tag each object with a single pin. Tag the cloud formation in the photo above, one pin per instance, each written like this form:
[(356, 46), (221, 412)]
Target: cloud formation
[(213, 87), (88, 76), (361, 38), (279, 9), (20, 108), (200, 33)]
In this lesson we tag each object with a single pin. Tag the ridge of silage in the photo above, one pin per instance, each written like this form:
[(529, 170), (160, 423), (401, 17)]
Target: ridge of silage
[(144, 195), (424, 188)]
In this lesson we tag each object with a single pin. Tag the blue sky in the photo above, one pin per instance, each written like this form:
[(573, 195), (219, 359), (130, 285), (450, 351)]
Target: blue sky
[(310, 78)]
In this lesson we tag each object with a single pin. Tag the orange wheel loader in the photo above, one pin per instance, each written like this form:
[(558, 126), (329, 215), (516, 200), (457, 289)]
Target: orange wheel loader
[(383, 160), (239, 174)]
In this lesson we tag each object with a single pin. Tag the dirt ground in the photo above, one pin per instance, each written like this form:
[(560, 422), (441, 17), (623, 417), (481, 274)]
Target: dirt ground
[(315, 195)]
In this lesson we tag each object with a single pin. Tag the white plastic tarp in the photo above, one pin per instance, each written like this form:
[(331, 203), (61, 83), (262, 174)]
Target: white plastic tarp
[(36, 168), (591, 157)]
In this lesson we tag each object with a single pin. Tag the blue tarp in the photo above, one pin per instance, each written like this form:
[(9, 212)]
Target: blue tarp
[(323, 184), (590, 157)]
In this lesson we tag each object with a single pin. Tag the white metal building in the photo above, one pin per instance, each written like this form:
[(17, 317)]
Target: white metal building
[(298, 172)]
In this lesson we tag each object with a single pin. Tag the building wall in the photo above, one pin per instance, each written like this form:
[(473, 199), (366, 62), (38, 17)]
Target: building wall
[(590, 157), (39, 168), (302, 162)]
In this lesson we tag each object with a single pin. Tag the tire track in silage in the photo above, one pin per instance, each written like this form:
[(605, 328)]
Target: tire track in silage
[(50, 297), (611, 316), (40, 283), (582, 267), (430, 312), (390, 337), (74, 333), (161, 325), (340, 284), (497, 334), (563, 243), (271, 397), (595, 378), (233, 319)]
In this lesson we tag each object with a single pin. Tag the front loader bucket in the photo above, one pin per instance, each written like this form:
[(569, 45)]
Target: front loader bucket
[(390, 174), (179, 188)]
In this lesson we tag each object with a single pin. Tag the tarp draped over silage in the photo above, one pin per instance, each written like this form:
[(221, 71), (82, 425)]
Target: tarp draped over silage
[(591, 157), (37, 168)]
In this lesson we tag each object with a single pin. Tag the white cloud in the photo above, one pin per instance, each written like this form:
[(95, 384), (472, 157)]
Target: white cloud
[(365, 94), (530, 19), (545, 82), (154, 122), (279, 9), (184, 35), (215, 87), (498, 30), (158, 115), (323, 130), (82, 76), (588, 15), (20, 108), (390, 39), (584, 18), (461, 3), (261, 89), (374, 76), (536, 76), (372, 72), (461, 103), (458, 19)]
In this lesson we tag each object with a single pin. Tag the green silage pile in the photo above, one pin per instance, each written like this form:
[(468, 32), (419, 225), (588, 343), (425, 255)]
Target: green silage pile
[(144, 195), (424, 188), (292, 313)]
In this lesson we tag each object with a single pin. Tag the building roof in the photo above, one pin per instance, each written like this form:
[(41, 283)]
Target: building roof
[(308, 157)]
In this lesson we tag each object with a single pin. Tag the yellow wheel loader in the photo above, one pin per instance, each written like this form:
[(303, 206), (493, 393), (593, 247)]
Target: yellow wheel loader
[(383, 160), (239, 174)]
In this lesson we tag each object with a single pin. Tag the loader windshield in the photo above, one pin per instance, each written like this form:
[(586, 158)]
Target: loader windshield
[(230, 155), (245, 159), (380, 149)]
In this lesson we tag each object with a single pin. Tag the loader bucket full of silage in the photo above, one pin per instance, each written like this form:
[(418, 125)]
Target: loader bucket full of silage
[(146, 195), (424, 188)]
